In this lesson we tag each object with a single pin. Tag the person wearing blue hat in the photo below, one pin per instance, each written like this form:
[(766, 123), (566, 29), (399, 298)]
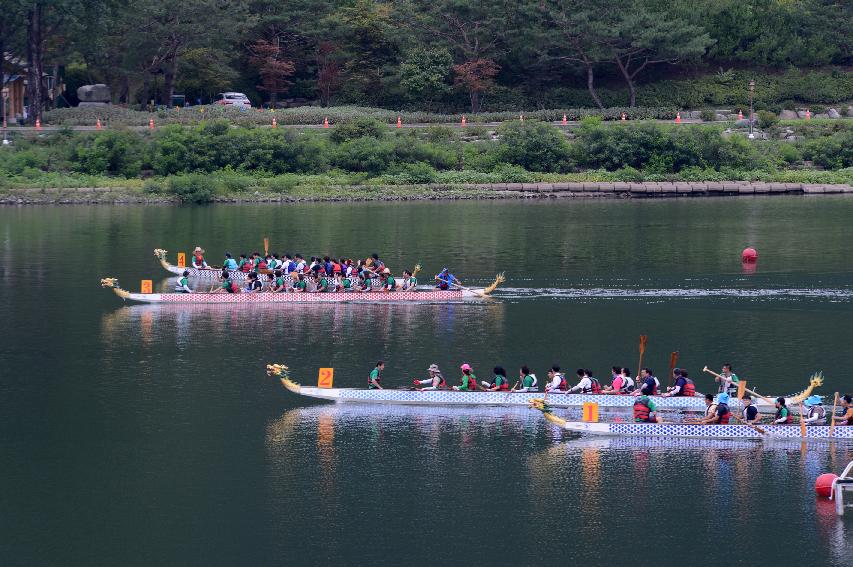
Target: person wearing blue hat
[(446, 280), (817, 413), (723, 413)]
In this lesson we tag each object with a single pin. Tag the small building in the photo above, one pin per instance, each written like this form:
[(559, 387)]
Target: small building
[(15, 79)]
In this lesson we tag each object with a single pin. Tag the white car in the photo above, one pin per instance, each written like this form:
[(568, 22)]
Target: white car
[(233, 99)]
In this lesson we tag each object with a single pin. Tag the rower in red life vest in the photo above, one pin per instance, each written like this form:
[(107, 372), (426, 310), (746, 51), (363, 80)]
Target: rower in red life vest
[(469, 380), (650, 383), (556, 380), (374, 380), (784, 416), (644, 411), (723, 413), (434, 382), (683, 385), (198, 258), (499, 382)]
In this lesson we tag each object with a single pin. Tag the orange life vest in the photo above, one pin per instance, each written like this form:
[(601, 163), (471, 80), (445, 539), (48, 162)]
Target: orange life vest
[(641, 412)]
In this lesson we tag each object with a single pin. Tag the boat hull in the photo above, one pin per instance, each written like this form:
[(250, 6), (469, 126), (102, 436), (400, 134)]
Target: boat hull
[(454, 398), (431, 296), (692, 431)]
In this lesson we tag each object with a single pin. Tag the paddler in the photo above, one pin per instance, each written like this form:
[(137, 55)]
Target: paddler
[(245, 265), (228, 284), (229, 263), (182, 285), (556, 380), (723, 413), (847, 407), (410, 282), (255, 284), (198, 258), (280, 283), (388, 281), (445, 280), (650, 383), (616, 381), (434, 382), (784, 416), (527, 381), (627, 382), (644, 411), (374, 380), (469, 380), (584, 385), (683, 385), (817, 413), (299, 285), (322, 283), (750, 412), (499, 382), (728, 380), (710, 411)]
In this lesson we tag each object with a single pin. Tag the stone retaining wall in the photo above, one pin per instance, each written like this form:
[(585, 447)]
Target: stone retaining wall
[(666, 189)]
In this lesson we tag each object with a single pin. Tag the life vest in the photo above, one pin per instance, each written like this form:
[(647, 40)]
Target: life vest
[(689, 388), (654, 391), (180, 285), (472, 381), (595, 387), (641, 412), (246, 267), (724, 419), (564, 384), (378, 380), (789, 419), (233, 287), (442, 383), (627, 385), (336, 268), (198, 260), (262, 265), (821, 414), (504, 383)]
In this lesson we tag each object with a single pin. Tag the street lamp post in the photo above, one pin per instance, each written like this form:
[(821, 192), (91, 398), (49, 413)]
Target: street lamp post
[(5, 96), (751, 118)]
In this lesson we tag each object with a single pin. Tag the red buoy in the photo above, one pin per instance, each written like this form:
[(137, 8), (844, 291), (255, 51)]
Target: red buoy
[(823, 484), (749, 255)]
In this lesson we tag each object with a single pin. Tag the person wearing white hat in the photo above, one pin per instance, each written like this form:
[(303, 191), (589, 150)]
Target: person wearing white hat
[(434, 382), (388, 281), (198, 258), (817, 413)]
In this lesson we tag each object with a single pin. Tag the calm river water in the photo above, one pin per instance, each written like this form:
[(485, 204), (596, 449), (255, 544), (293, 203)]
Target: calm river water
[(138, 435)]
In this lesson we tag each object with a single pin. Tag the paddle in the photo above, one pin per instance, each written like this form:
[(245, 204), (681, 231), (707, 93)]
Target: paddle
[(802, 422), (643, 339), (755, 427), (266, 246), (673, 358), (469, 289), (832, 423)]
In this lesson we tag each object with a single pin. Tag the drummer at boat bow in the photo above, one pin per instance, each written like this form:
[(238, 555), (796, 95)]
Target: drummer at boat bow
[(816, 415), (198, 258), (434, 382), (556, 380), (374, 380)]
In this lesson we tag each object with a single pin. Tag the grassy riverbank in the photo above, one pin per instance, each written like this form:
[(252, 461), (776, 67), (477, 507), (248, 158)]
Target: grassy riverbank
[(364, 159)]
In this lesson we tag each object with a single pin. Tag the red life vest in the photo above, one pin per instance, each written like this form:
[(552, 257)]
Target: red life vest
[(306, 269), (564, 384), (689, 388), (441, 382), (789, 419), (336, 268), (504, 385), (641, 412), (262, 265), (724, 420), (596, 385), (246, 267), (199, 260), (233, 288)]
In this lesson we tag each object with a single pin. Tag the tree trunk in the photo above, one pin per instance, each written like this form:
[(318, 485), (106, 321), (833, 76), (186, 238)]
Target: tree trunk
[(169, 77), (632, 88), (475, 101), (146, 89), (35, 87), (590, 84)]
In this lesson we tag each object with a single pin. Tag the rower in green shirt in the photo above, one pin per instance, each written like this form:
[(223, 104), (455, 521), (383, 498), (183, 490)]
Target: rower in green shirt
[(322, 285), (389, 283), (374, 381), (469, 380), (527, 380), (410, 282)]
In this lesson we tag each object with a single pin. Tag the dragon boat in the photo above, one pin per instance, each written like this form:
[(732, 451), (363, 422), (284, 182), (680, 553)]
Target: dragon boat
[(696, 431), (482, 398), (204, 273), (420, 295)]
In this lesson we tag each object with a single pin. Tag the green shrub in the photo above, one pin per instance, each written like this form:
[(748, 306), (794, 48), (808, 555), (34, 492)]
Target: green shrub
[(111, 153), (789, 153), (817, 109), (440, 133), (534, 146), (508, 173), (831, 152), (192, 188), (155, 186), (708, 115), (766, 119), (359, 128), (231, 183), (364, 154), (419, 172)]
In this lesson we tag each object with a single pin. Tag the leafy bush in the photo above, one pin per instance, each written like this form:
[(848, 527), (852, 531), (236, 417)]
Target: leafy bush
[(766, 119), (419, 172), (111, 153), (192, 188), (708, 115), (359, 128), (155, 186), (831, 152), (533, 145)]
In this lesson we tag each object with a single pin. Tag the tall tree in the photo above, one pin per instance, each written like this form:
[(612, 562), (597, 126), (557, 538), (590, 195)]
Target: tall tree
[(273, 67)]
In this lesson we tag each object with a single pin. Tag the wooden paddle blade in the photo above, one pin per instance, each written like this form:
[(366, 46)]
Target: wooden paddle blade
[(266, 246), (643, 339)]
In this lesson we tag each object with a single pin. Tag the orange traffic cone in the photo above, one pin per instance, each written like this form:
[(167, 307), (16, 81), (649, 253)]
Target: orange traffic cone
[(38, 124), (463, 121), (326, 122), (808, 115), (274, 122), (740, 114), (565, 120), (678, 118), (150, 123), (624, 117), (98, 124), (399, 122)]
